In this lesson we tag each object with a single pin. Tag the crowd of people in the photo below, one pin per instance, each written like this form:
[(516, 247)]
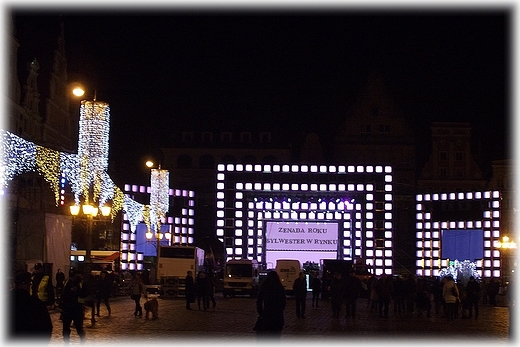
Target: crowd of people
[(34, 296)]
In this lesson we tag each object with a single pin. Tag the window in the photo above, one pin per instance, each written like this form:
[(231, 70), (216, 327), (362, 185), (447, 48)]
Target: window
[(443, 156), (384, 128), (245, 137), (206, 162), (443, 173), (207, 137), (226, 137), (184, 161), (265, 137), (187, 136), (459, 156), (366, 129)]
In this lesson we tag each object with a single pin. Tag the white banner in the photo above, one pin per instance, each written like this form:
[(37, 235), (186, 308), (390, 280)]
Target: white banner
[(301, 236)]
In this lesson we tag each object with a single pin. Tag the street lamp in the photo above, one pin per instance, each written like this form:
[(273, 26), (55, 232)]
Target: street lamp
[(89, 213), (507, 247)]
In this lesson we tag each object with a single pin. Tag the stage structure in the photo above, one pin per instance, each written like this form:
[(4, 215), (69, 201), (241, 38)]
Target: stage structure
[(458, 226), (266, 212)]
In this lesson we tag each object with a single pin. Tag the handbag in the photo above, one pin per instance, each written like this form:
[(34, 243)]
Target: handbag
[(259, 325)]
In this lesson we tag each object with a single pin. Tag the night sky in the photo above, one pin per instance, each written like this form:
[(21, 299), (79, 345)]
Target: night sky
[(171, 70)]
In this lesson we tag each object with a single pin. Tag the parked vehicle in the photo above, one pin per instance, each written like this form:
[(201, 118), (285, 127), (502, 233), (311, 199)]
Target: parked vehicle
[(241, 277), (288, 270)]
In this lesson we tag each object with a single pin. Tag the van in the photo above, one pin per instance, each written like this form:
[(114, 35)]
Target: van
[(241, 277), (288, 270)]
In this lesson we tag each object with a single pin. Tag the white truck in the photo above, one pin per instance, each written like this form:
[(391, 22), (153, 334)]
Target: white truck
[(173, 264), (288, 270), (241, 277)]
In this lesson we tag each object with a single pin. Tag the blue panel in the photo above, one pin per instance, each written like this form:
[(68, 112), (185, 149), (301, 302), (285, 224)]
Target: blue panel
[(464, 244)]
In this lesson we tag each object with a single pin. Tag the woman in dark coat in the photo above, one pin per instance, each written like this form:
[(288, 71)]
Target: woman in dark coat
[(270, 304)]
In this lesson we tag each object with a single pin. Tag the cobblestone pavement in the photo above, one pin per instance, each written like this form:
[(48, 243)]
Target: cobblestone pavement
[(233, 318)]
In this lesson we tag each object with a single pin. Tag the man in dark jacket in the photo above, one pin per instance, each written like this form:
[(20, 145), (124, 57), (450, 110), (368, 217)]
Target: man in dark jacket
[(189, 287), (73, 299), (270, 305), (300, 294), (31, 317), (337, 294), (353, 287)]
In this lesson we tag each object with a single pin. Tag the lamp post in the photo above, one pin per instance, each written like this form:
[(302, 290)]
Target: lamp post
[(89, 213), (507, 248)]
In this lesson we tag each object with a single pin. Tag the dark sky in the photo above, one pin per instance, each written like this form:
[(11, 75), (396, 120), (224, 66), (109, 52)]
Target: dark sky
[(170, 70)]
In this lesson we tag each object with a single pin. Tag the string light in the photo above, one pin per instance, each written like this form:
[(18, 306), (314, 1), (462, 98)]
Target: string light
[(48, 165), (159, 199), (20, 156)]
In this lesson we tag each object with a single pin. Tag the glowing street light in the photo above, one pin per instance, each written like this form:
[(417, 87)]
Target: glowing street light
[(89, 213)]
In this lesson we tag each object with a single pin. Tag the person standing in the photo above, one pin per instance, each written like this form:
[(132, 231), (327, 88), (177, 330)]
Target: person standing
[(384, 288), (31, 320), (270, 305), (201, 287), (137, 290), (103, 288), (189, 286), (41, 286), (316, 289), (353, 288), (300, 294), (210, 287), (60, 281), (450, 293), (73, 299), (337, 294), (473, 296)]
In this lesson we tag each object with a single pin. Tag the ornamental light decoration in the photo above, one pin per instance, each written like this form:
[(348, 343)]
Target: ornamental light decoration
[(159, 197), (94, 129)]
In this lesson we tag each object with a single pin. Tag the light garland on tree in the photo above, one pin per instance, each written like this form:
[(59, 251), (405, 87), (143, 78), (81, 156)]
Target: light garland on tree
[(461, 271)]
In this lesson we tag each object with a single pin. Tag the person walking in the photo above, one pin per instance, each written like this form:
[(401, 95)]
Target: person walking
[(89, 285), (473, 296), (337, 294), (316, 289), (103, 288), (201, 288), (353, 288), (300, 294), (137, 290), (270, 306), (73, 299), (189, 288), (30, 318), (450, 293)]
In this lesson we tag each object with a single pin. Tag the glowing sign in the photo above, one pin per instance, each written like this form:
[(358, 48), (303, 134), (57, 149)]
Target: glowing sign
[(301, 236)]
